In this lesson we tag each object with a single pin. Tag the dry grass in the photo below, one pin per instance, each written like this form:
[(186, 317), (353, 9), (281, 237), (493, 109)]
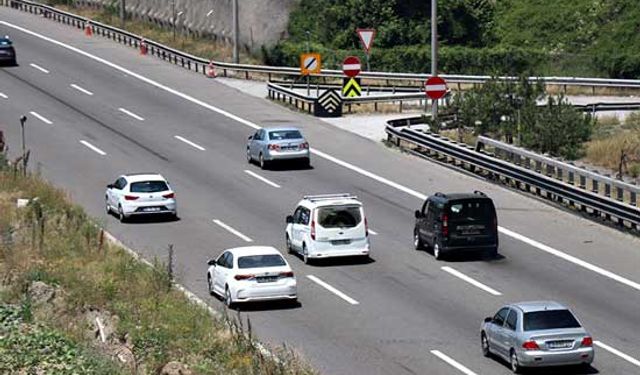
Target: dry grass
[(611, 139), (55, 242)]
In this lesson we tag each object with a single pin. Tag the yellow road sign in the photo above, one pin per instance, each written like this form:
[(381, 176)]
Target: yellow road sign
[(310, 63), (351, 87)]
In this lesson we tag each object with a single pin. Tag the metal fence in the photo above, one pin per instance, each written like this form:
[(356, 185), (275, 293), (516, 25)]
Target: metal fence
[(571, 186)]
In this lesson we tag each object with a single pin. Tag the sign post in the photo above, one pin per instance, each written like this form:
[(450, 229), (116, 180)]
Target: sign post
[(434, 52), (366, 38), (310, 63)]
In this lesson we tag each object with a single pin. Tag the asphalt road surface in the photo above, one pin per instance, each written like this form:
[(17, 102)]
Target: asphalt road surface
[(97, 109)]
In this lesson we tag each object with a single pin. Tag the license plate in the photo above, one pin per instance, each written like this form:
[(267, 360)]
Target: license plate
[(151, 209), (267, 279), (559, 345), (340, 242)]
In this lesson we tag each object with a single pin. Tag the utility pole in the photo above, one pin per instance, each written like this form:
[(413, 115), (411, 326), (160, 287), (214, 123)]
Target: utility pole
[(308, 50), (123, 14), (173, 17), (434, 53), (236, 31)]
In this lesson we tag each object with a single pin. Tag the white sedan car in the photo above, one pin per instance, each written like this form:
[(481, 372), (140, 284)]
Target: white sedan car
[(140, 194), (252, 273)]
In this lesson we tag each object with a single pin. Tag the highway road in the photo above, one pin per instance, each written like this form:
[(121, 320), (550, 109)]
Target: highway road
[(97, 109)]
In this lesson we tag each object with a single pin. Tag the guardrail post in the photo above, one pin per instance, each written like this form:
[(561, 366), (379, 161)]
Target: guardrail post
[(583, 182), (607, 190), (633, 198), (594, 187), (559, 174), (619, 194), (571, 176), (538, 166)]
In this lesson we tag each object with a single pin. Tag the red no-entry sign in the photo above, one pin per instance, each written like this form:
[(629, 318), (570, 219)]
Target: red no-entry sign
[(435, 87), (351, 66)]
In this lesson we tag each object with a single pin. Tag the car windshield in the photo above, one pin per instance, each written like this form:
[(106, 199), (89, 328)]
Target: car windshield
[(261, 261), (149, 187), (471, 211), (550, 319), (5, 42), (339, 216), (278, 135)]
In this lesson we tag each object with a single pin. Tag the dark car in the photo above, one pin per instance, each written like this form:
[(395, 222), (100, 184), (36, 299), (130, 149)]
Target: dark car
[(450, 223), (7, 52)]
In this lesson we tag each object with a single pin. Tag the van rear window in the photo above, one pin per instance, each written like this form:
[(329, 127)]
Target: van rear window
[(471, 211), (339, 216)]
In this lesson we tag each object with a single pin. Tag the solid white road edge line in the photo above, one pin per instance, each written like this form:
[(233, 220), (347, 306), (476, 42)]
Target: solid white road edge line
[(3, 96), (127, 112), (571, 258), (333, 290), (232, 230), (82, 90), (373, 232), (314, 151), (94, 148), (41, 118), (471, 281), (190, 295), (266, 181), (620, 354), (38, 67), (189, 142), (452, 362)]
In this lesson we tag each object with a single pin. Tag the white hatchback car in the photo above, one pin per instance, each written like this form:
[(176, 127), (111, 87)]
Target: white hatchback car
[(329, 225), (140, 194), (252, 273)]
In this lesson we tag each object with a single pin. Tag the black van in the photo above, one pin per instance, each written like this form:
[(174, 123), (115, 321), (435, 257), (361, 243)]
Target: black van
[(450, 223)]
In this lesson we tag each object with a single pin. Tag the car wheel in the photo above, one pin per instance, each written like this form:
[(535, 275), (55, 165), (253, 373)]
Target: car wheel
[(121, 217), (417, 242), (227, 297), (493, 252), (210, 284), (485, 345), (513, 361), (437, 252), (306, 162), (249, 158), (263, 163), (289, 247), (107, 207), (305, 254)]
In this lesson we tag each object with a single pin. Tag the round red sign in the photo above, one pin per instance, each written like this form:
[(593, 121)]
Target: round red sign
[(435, 87), (351, 66)]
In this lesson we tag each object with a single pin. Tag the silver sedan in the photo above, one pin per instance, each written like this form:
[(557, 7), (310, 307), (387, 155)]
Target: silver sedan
[(272, 144), (536, 334)]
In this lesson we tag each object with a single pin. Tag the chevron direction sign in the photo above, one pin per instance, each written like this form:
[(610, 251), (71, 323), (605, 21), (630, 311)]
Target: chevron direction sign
[(329, 104), (351, 87)]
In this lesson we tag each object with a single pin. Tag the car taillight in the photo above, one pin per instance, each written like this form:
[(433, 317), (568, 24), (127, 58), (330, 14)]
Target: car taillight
[(304, 146), (243, 277), (445, 225), (530, 345), (587, 341), (286, 274), (313, 230), (130, 197), (169, 196), (366, 227), (274, 147)]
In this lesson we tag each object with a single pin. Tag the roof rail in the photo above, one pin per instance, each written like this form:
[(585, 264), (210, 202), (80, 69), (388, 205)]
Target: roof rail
[(318, 197), (478, 192), (140, 173), (439, 194)]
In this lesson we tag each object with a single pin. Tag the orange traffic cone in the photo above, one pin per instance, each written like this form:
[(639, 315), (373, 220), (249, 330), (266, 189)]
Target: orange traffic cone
[(88, 31), (211, 72), (143, 47)]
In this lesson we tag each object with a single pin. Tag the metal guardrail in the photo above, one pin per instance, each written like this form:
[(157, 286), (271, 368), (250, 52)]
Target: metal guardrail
[(563, 191), (199, 64)]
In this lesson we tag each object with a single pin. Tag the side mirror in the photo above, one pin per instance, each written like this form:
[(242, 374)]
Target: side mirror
[(211, 262), (418, 214), (289, 219), (250, 137), (110, 186), (488, 319)]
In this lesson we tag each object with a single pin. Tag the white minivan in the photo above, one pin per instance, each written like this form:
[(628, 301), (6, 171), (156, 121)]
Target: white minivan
[(329, 225)]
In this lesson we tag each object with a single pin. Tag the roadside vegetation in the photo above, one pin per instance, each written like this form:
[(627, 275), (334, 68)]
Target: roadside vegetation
[(71, 303)]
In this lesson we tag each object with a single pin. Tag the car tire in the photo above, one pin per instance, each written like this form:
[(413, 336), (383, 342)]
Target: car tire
[(288, 242), (492, 252), (305, 255), (306, 163), (263, 163), (484, 342), (228, 301), (437, 250), (249, 158), (513, 362), (121, 217), (210, 285), (107, 207), (417, 241)]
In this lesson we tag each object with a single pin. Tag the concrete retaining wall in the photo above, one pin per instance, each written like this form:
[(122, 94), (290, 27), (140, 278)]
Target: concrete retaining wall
[(262, 22)]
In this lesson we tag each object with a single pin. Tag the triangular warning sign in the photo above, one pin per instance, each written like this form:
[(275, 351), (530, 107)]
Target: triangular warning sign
[(366, 37)]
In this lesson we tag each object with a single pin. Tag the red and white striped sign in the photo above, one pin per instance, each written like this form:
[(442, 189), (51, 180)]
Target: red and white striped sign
[(435, 87), (351, 66)]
